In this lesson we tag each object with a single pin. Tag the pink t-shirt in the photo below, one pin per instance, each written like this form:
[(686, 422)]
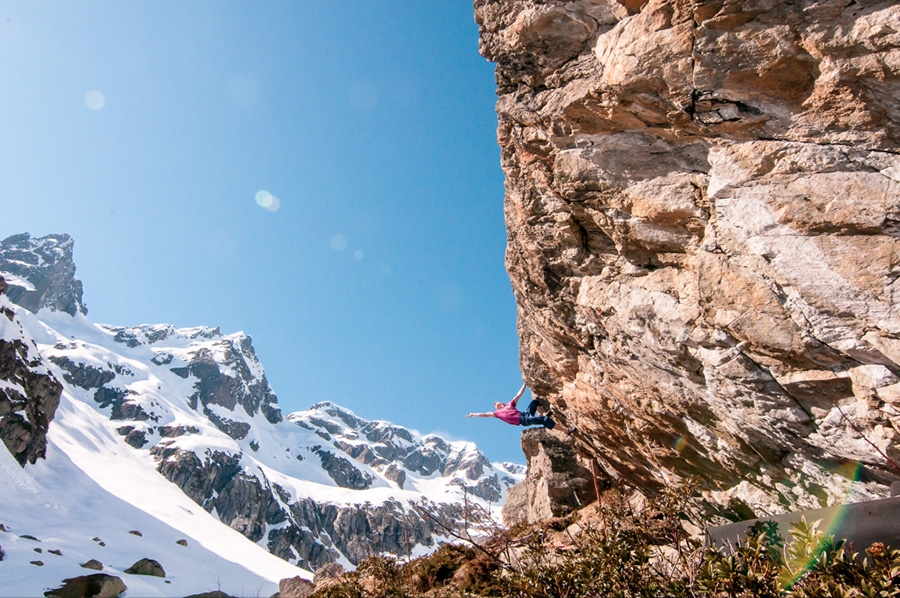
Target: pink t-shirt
[(509, 413)]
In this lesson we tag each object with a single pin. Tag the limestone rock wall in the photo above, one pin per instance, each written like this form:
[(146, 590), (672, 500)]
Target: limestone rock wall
[(702, 203)]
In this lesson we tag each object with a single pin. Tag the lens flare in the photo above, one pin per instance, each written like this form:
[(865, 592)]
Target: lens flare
[(94, 100), (852, 470), (338, 243), (268, 201), (358, 254), (680, 444), (830, 525)]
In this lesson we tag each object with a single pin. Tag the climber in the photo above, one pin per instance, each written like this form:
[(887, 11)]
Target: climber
[(508, 413)]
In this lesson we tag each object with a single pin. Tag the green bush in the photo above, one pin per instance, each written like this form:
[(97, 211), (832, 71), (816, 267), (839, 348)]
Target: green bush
[(812, 565), (633, 553)]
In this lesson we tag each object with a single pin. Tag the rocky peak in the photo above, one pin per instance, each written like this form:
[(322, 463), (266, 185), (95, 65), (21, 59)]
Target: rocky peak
[(397, 452), (41, 273), (324, 485), (224, 369), (702, 204)]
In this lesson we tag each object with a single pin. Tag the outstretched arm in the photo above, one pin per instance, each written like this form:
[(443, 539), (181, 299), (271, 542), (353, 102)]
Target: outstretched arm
[(490, 414), (518, 395)]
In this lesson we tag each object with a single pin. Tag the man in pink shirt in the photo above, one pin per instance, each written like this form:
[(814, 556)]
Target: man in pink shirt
[(508, 413)]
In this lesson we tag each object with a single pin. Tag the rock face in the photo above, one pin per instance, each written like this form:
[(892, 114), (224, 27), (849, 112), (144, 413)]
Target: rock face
[(556, 483), (29, 394), (243, 384), (41, 273), (702, 203), (295, 587)]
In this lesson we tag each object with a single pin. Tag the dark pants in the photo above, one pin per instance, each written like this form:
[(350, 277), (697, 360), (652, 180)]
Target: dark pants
[(528, 418)]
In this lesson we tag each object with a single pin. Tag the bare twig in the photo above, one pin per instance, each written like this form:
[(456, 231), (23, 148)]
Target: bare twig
[(467, 538)]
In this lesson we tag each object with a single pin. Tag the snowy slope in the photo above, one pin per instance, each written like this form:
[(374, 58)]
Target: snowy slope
[(64, 508), (147, 371), (176, 433), (85, 498)]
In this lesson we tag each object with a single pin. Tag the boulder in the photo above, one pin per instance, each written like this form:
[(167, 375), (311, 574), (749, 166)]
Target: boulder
[(556, 481), (146, 567), (97, 585), (702, 206), (93, 564), (295, 587)]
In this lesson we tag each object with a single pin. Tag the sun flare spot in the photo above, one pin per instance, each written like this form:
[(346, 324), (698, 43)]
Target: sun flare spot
[(338, 243), (268, 201), (94, 100)]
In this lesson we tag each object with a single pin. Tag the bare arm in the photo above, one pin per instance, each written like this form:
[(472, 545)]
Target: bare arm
[(518, 395), (489, 414)]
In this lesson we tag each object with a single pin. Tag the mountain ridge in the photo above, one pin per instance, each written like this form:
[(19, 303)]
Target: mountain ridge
[(193, 406)]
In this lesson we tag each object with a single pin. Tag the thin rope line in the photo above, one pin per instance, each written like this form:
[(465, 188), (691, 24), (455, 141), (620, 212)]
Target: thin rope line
[(858, 431)]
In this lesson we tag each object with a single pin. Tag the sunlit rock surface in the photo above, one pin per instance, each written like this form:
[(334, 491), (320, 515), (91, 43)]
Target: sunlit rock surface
[(556, 484), (702, 205)]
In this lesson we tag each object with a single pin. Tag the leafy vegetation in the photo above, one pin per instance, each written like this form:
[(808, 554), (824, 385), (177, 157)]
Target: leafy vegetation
[(629, 552)]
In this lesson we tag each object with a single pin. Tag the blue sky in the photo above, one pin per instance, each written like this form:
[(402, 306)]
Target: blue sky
[(146, 130)]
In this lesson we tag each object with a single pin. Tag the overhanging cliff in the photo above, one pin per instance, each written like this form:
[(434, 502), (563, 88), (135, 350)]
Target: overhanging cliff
[(702, 203)]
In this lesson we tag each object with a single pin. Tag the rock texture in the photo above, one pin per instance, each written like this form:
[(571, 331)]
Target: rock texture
[(29, 394), (41, 273), (228, 374), (702, 202), (146, 567), (295, 587), (557, 481), (97, 585)]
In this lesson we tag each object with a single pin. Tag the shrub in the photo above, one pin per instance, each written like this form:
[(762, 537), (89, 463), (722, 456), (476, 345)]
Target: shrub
[(633, 553)]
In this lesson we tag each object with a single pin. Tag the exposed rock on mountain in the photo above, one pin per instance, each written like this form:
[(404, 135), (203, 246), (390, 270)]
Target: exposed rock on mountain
[(702, 202), (244, 384), (41, 273), (314, 532), (317, 487), (29, 394)]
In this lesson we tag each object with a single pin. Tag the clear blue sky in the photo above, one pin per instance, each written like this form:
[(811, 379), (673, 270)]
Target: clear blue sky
[(146, 130)]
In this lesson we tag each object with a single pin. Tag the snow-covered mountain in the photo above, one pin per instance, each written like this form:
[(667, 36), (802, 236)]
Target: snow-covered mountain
[(175, 432)]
